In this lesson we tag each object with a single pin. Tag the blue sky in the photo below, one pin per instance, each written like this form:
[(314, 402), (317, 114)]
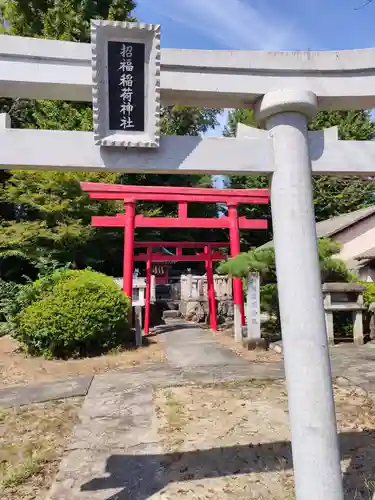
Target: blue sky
[(261, 25)]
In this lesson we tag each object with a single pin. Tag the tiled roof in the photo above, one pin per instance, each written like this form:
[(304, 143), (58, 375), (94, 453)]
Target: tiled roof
[(330, 227), (369, 254)]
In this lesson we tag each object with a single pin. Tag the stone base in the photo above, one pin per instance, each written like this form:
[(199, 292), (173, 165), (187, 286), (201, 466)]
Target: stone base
[(252, 344), (171, 314), (277, 346)]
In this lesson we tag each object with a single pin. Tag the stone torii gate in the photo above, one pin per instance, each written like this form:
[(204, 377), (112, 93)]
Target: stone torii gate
[(286, 90)]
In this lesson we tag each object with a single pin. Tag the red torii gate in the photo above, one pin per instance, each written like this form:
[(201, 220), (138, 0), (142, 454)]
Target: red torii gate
[(207, 256), (182, 196)]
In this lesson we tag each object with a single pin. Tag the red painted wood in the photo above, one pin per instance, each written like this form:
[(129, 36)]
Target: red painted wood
[(183, 196), (210, 289), (160, 257), (169, 193), (234, 237), (183, 209), (148, 291), (129, 252), (180, 244), (119, 220), (246, 200)]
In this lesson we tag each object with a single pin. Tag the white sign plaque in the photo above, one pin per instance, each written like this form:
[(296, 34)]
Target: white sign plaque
[(126, 83), (253, 306)]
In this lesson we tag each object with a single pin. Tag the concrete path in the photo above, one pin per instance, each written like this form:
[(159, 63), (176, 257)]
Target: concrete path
[(190, 346), (356, 364), (116, 450), (202, 359), (39, 393)]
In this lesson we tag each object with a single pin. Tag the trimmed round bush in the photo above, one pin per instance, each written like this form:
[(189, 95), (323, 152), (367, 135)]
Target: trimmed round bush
[(84, 313)]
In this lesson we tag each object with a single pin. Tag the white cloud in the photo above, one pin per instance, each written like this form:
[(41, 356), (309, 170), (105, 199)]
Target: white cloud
[(235, 24)]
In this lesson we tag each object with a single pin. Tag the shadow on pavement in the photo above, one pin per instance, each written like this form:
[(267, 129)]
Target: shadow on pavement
[(140, 476), (160, 329)]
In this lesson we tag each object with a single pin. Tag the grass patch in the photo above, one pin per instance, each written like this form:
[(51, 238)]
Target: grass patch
[(174, 413), (19, 368), (32, 440), (22, 472)]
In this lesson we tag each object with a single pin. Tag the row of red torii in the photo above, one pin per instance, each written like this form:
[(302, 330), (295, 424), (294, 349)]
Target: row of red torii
[(129, 221)]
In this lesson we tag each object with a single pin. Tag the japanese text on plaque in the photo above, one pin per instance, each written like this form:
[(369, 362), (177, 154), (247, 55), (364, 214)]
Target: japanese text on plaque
[(126, 84)]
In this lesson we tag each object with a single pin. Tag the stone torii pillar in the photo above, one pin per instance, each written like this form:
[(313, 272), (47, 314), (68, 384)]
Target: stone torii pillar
[(285, 114)]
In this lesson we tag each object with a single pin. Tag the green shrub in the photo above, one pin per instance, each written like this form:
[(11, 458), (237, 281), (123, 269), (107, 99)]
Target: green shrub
[(269, 303), (369, 293), (343, 325), (368, 297), (74, 313), (262, 260), (25, 295), (8, 293)]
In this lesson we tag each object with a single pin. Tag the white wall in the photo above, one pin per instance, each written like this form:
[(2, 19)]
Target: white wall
[(357, 239)]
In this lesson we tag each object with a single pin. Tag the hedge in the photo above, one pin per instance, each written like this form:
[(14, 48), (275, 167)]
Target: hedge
[(76, 313)]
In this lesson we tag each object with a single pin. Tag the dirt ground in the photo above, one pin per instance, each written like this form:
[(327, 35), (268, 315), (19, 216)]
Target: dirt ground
[(232, 442), (32, 441), (225, 338), (18, 368)]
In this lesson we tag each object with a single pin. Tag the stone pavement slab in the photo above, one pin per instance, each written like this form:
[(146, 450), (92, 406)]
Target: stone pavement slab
[(122, 424), (189, 346), (39, 393), (116, 451), (355, 363)]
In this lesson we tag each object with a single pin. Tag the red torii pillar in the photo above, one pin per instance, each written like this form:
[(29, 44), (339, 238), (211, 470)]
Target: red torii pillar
[(210, 289), (148, 291), (234, 238), (183, 196), (127, 284), (208, 257)]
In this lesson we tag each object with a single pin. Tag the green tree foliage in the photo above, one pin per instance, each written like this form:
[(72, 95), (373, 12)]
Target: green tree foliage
[(262, 260), (337, 195), (8, 292), (70, 314), (332, 195), (235, 116), (249, 238), (45, 214), (63, 19), (53, 218), (180, 120), (37, 216)]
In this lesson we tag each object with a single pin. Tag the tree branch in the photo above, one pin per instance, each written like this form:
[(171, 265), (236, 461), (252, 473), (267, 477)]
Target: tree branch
[(364, 5)]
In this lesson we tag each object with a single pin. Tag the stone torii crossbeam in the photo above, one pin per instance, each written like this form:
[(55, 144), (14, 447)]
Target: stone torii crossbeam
[(285, 90)]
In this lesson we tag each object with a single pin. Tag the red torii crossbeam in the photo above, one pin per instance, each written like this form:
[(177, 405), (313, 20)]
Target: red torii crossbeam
[(223, 222), (206, 256), (182, 196)]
